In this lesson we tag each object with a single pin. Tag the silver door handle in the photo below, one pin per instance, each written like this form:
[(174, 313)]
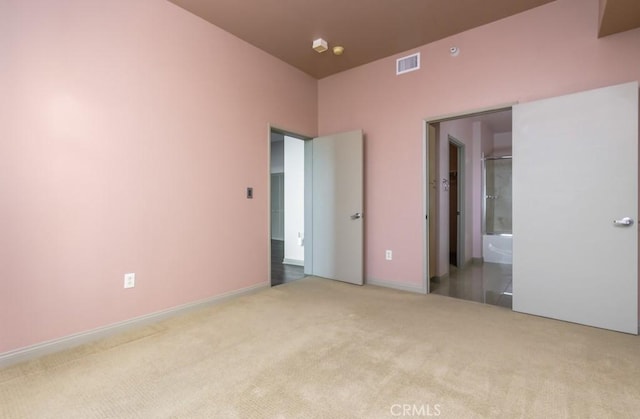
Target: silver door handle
[(626, 221), (356, 216)]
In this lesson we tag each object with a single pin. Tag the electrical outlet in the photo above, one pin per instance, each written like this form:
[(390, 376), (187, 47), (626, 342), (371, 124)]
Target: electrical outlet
[(129, 280), (388, 255)]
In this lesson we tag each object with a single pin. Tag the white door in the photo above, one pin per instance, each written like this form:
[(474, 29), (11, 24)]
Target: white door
[(336, 215), (575, 178)]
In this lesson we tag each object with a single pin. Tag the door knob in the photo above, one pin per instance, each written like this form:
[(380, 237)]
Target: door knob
[(624, 222), (356, 216)]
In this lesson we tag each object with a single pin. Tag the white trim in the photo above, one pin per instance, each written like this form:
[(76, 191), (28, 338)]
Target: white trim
[(425, 206), (67, 342), (308, 207), (441, 277), (470, 113), (462, 200), (396, 285), (268, 204), (296, 262)]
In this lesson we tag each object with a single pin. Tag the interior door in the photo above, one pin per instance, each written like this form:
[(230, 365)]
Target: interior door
[(575, 179), (337, 207)]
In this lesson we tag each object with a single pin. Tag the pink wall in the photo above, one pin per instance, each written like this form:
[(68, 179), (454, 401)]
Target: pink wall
[(502, 143), (548, 51), (473, 134), (461, 130), (129, 130), (128, 133)]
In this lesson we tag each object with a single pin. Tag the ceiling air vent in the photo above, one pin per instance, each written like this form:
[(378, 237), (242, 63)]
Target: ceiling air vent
[(408, 63)]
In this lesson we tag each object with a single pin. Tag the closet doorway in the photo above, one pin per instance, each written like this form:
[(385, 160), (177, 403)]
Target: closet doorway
[(287, 207)]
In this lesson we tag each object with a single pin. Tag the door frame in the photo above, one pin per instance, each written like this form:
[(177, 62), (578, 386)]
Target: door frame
[(308, 194), (427, 122), (461, 210)]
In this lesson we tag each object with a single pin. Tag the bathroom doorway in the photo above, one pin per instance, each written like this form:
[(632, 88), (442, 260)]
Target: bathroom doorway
[(457, 220)]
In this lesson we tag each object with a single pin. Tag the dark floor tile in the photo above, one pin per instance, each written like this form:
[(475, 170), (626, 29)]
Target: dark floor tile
[(280, 272), (489, 283)]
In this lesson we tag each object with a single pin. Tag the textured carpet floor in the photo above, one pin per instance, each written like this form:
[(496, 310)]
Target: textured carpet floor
[(323, 349)]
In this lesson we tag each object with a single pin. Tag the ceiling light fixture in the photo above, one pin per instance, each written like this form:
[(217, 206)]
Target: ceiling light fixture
[(338, 50), (320, 45)]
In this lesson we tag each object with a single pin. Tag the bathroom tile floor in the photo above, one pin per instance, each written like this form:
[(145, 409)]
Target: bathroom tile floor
[(489, 283)]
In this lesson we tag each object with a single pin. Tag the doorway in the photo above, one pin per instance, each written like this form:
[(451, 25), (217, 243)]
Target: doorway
[(332, 202), (456, 202), (287, 206), (454, 163)]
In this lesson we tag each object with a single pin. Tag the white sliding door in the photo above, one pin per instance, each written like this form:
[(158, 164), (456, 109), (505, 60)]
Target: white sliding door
[(575, 180)]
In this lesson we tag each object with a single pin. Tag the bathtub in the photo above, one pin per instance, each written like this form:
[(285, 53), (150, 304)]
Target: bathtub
[(497, 248)]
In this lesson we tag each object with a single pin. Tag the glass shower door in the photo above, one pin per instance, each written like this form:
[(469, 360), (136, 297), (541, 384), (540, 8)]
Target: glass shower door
[(498, 219)]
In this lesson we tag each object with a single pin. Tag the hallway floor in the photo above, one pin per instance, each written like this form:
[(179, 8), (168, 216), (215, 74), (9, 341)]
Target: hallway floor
[(488, 283), (281, 273)]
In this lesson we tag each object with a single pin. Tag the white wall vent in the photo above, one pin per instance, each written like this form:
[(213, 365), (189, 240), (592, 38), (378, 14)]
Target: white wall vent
[(408, 63)]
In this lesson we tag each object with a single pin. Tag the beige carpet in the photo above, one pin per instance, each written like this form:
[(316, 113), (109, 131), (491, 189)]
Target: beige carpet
[(322, 349)]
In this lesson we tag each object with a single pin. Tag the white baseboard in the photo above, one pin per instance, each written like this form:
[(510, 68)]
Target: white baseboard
[(296, 262), (397, 285), (67, 342), (441, 277)]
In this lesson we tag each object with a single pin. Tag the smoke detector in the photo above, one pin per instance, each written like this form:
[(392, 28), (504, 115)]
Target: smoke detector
[(320, 45)]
